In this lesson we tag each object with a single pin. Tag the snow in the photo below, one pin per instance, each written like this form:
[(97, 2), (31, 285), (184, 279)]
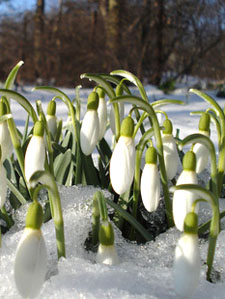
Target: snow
[(145, 271)]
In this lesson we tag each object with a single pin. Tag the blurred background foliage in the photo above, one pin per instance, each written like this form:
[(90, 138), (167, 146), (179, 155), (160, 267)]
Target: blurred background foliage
[(157, 40)]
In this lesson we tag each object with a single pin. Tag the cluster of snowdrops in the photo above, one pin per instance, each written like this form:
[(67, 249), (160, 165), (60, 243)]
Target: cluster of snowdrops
[(54, 153)]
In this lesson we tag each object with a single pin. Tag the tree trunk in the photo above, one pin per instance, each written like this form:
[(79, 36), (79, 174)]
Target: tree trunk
[(38, 38)]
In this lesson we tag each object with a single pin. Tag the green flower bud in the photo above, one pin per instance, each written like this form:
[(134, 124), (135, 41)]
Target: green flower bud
[(101, 93), (39, 128), (191, 223), (93, 100), (151, 155), (51, 110), (34, 217), (3, 108), (119, 90), (127, 127), (106, 234), (189, 161), (204, 122), (167, 124)]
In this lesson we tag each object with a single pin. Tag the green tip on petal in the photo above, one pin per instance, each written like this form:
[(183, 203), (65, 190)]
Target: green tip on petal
[(167, 124), (93, 100), (127, 127), (119, 90), (106, 234), (189, 161), (101, 93), (191, 223), (151, 155), (51, 110), (39, 128), (3, 108), (204, 122), (34, 217)]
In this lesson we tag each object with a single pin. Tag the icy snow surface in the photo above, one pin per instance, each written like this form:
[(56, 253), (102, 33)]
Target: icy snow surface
[(145, 271)]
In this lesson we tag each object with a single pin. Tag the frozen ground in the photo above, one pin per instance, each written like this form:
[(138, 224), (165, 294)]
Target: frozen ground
[(145, 271)]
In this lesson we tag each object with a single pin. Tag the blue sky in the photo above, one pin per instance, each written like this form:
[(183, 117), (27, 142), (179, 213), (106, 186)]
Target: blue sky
[(20, 5)]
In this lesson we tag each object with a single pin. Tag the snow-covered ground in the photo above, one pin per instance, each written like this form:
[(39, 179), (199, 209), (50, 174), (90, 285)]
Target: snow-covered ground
[(145, 271)]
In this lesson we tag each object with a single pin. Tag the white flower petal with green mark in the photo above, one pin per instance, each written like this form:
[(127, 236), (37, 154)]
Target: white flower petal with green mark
[(187, 265), (102, 116), (183, 199), (107, 255), (170, 154), (5, 141), (34, 156), (122, 164), (30, 263), (89, 132), (150, 187)]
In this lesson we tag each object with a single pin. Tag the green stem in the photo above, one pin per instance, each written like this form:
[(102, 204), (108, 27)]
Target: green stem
[(9, 221)]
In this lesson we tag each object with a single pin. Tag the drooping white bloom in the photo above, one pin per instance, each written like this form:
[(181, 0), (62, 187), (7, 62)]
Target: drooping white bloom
[(89, 133), (52, 124), (35, 153), (5, 139), (106, 253), (3, 185), (150, 182), (102, 115), (122, 164), (202, 154), (187, 263), (30, 264), (170, 154), (183, 199)]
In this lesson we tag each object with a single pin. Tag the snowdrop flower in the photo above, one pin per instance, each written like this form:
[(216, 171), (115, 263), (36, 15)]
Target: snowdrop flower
[(170, 153), (3, 183), (31, 256), (107, 253), (35, 152), (150, 182), (187, 264), (183, 199), (51, 118), (89, 133), (122, 162), (5, 139), (201, 151), (102, 113)]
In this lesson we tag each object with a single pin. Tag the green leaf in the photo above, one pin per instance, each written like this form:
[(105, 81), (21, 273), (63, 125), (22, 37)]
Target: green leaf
[(164, 102), (128, 217), (10, 94), (115, 81), (16, 192), (12, 75), (61, 164), (99, 80), (133, 79)]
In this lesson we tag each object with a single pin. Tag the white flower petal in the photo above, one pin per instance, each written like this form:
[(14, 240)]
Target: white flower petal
[(187, 265), (34, 156), (171, 156), (102, 116), (52, 124), (5, 141), (150, 187), (107, 255), (3, 185), (182, 199), (122, 165), (30, 263), (202, 156), (89, 132)]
